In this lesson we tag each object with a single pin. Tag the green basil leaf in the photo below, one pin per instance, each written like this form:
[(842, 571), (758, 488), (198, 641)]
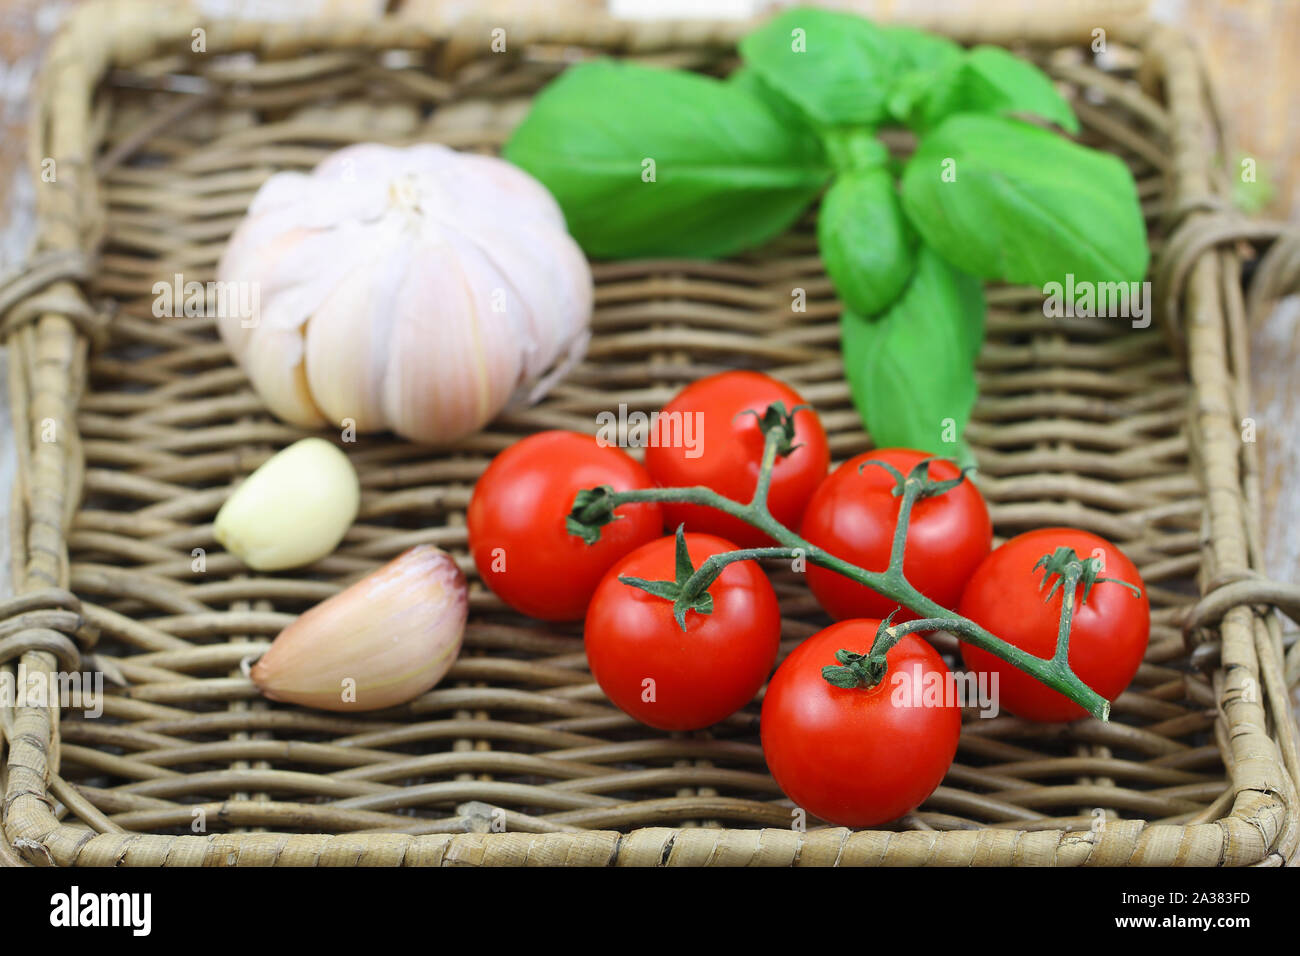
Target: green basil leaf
[(865, 241), (922, 57), (988, 79), (837, 67), (911, 371), (1002, 199), (748, 79), (918, 50), (855, 148), (908, 90), (652, 162)]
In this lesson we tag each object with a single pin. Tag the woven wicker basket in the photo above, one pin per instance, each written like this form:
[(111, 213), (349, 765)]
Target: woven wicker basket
[(133, 429)]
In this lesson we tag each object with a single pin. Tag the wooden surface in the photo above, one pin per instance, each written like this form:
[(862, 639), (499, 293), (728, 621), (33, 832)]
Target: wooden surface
[(1248, 46)]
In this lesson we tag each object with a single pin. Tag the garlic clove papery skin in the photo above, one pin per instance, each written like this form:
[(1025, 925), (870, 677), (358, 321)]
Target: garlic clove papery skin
[(381, 642), (346, 344), (478, 364), (429, 290), (293, 510)]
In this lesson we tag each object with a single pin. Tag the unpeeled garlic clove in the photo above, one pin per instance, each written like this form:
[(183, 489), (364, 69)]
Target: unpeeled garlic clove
[(293, 510), (381, 642)]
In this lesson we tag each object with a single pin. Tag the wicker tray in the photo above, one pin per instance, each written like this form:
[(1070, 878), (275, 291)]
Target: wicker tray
[(133, 430)]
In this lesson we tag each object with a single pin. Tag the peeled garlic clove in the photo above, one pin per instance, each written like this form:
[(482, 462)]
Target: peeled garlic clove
[(293, 510), (381, 642)]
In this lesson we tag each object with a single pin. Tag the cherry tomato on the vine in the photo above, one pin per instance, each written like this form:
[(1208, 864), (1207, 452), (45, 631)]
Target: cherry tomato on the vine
[(853, 515), (1108, 636), (673, 679), (516, 522), (860, 756), (726, 449)]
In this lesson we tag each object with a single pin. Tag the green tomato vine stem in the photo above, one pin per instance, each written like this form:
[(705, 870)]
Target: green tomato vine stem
[(1054, 672)]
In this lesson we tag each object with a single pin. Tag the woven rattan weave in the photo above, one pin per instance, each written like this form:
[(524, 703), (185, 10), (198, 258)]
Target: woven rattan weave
[(134, 428)]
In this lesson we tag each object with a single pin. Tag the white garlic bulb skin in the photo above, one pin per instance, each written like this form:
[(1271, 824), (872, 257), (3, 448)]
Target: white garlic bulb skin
[(418, 290)]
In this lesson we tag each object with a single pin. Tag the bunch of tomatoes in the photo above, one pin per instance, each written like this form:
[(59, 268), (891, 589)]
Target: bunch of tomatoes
[(852, 756)]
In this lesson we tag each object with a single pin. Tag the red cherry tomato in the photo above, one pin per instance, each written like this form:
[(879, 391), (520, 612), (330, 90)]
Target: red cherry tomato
[(853, 516), (727, 449), (859, 757), (673, 679), (517, 534), (1108, 636)]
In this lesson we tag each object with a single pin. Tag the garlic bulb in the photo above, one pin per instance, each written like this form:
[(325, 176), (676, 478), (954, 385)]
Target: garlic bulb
[(381, 642), (418, 290)]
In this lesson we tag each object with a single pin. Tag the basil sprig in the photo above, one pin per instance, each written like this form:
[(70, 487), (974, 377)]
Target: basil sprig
[(652, 162)]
